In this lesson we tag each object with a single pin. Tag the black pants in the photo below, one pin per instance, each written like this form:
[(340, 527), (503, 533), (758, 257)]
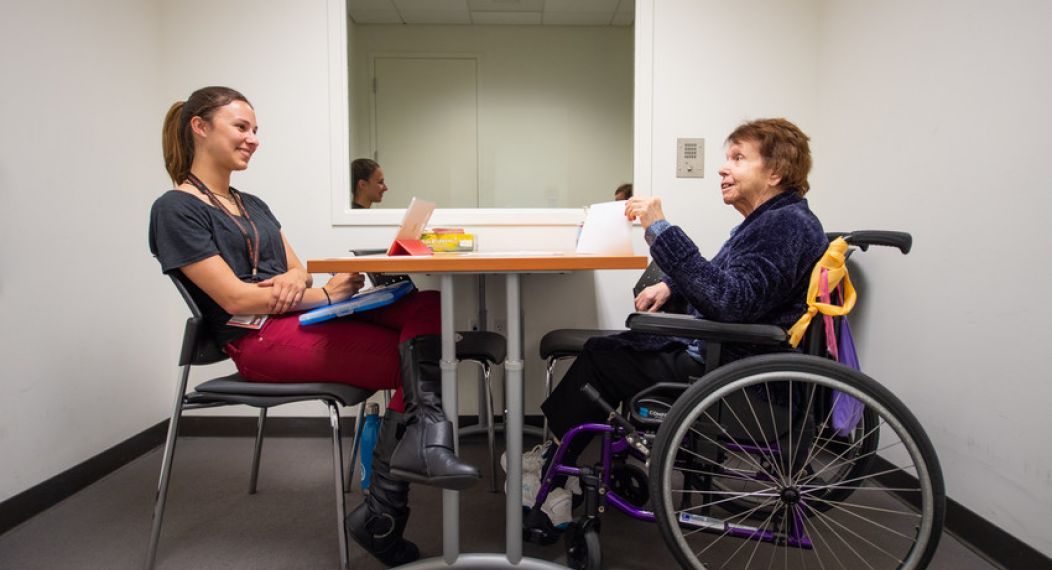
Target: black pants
[(618, 375)]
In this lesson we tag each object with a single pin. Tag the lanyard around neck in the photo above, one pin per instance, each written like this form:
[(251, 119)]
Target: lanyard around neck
[(251, 243)]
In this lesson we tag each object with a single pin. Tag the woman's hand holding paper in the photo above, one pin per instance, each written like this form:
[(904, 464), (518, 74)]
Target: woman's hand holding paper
[(646, 209)]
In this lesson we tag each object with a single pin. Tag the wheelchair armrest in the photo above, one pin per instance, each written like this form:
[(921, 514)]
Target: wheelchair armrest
[(691, 327)]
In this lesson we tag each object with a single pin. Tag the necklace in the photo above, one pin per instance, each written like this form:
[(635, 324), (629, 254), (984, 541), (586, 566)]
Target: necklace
[(253, 248)]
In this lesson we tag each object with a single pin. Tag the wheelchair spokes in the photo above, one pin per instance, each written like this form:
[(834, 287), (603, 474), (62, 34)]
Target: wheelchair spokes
[(746, 471)]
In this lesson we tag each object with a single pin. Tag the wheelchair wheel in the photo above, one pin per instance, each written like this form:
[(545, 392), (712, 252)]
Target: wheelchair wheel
[(743, 473), (583, 551), (837, 457)]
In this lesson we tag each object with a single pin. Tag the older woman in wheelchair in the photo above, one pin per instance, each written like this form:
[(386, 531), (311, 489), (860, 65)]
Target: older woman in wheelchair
[(744, 451)]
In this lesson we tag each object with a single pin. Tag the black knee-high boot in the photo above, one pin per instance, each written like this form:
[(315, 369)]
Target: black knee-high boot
[(378, 522), (425, 452)]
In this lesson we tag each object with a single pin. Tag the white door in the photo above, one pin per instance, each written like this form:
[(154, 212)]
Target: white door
[(427, 130)]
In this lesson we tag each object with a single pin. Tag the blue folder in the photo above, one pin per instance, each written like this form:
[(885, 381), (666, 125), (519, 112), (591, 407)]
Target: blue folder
[(370, 299)]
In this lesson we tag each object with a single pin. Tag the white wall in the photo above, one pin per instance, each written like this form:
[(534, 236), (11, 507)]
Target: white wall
[(554, 106), (713, 69), (89, 335), (935, 119), (925, 116)]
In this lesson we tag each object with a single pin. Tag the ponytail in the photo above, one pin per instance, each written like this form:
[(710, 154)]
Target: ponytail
[(177, 142), (178, 149)]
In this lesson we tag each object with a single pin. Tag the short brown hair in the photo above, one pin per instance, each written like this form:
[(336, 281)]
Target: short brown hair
[(361, 169), (784, 148)]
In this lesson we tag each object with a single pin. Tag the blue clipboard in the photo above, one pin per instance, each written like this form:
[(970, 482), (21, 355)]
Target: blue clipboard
[(364, 301)]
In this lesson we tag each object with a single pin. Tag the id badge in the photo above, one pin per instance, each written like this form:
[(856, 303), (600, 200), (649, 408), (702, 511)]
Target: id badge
[(254, 322)]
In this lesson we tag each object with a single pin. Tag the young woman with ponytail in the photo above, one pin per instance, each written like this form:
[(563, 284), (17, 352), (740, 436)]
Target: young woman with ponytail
[(229, 250), (367, 184)]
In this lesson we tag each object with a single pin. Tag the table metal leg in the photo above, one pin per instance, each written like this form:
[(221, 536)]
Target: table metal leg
[(513, 432), (450, 499), (513, 367)]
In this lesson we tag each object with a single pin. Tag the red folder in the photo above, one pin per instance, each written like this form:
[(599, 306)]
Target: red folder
[(407, 240), (408, 247)]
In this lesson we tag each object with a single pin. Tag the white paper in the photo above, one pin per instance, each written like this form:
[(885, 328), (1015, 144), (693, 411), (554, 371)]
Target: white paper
[(519, 253), (606, 230)]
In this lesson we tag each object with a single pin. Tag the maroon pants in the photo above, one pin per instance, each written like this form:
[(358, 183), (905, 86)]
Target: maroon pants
[(361, 350)]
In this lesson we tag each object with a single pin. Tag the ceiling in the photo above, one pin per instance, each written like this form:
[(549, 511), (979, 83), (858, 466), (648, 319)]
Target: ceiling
[(494, 12)]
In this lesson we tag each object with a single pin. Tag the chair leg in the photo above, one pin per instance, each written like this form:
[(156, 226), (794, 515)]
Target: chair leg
[(548, 371), (337, 471), (260, 425), (483, 390), (356, 446), (490, 427), (166, 471)]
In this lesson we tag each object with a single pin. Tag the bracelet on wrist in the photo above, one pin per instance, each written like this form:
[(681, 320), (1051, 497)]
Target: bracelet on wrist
[(327, 297)]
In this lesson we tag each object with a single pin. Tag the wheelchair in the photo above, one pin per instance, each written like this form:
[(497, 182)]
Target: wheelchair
[(751, 465)]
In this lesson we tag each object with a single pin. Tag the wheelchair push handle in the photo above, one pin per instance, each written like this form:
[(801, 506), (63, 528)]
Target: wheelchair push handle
[(865, 238)]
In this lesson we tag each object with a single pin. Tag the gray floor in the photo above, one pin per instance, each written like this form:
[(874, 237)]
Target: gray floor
[(290, 523)]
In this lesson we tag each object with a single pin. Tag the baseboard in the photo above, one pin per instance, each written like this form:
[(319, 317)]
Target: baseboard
[(35, 500), (25, 505), (993, 543)]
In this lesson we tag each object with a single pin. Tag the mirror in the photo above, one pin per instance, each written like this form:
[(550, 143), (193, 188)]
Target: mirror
[(494, 104)]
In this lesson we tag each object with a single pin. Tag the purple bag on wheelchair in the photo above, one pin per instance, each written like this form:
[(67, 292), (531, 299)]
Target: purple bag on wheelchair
[(847, 411)]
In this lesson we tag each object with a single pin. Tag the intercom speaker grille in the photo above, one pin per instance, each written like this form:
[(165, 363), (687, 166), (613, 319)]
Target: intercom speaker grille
[(690, 158)]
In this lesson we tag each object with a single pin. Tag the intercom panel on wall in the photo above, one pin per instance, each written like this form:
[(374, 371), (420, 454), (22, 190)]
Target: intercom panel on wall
[(690, 158)]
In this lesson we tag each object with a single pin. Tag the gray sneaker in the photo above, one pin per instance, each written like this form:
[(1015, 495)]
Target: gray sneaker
[(532, 460)]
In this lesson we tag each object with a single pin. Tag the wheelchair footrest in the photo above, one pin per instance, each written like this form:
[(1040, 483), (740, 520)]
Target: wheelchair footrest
[(538, 529)]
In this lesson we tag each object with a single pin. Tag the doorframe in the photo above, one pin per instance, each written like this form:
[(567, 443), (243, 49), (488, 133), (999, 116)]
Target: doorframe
[(339, 139)]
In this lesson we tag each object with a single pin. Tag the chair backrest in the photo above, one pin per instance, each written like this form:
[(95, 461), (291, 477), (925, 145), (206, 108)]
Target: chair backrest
[(198, 345), (652, 276)]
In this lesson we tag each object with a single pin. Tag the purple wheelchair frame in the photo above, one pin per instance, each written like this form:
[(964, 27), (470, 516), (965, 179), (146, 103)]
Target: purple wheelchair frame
[(614, 443)]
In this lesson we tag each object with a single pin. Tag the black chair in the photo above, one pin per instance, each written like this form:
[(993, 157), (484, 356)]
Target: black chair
[(563, 344), (199, 349), (486, 349)]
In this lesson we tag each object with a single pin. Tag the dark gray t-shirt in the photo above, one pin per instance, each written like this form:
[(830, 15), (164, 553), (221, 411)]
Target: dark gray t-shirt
[(185, 230)]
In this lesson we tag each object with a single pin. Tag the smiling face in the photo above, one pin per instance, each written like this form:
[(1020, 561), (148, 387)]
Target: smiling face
[(229, 137), (745, 181), (371, 191)]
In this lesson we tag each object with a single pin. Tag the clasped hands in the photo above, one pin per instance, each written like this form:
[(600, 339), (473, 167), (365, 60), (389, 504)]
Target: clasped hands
[(287, 289)]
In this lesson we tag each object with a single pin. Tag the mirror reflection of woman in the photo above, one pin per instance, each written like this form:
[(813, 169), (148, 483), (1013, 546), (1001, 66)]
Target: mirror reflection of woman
[(368, 184), (229, 250)]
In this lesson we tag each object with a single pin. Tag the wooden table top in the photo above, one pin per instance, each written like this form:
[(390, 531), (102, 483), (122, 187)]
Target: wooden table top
[(477, 262)]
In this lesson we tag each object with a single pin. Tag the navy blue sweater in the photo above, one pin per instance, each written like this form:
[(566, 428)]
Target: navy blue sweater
[(760, 275)]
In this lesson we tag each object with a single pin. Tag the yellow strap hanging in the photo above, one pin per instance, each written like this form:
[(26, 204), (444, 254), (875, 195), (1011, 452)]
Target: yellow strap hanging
[(833, 263)]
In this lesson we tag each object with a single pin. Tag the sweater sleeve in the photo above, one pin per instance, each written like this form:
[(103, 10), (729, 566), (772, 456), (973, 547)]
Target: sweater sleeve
[(755, 273)]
